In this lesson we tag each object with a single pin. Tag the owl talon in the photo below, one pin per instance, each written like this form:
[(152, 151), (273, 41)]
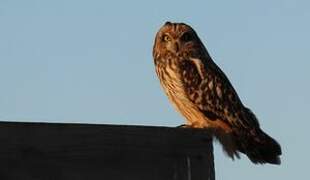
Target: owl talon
[(184, 126)]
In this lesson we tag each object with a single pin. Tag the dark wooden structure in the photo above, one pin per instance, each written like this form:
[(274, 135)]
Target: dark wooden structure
[(52, 151)]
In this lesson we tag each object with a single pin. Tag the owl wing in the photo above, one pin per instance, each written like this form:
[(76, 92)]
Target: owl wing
[(212, 93), (210, 90)]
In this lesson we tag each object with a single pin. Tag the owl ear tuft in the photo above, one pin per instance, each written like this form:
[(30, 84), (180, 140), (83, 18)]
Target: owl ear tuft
[(168, 23)]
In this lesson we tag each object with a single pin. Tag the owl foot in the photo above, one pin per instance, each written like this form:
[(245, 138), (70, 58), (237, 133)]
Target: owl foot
[(184, 126)]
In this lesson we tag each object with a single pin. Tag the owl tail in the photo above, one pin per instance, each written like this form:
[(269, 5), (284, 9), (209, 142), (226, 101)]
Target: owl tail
[(259, 147)]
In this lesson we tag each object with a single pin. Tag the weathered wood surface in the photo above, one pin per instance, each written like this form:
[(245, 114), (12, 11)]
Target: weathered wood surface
[(50, 151)]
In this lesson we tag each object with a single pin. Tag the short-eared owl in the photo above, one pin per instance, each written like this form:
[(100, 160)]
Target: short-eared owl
[(202, 93)]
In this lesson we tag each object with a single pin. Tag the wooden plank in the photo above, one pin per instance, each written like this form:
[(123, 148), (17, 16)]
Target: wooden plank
[(39, 151)]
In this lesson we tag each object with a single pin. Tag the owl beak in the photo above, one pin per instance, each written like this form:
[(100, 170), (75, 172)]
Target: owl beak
[(176, 47)]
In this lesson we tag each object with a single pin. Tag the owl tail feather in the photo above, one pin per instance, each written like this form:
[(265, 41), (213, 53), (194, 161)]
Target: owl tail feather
[(259, 147)]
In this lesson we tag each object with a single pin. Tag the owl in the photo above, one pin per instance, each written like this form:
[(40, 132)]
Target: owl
[(202, 93)]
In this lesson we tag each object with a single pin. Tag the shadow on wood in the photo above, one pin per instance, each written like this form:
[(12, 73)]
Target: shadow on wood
[(50, 151)]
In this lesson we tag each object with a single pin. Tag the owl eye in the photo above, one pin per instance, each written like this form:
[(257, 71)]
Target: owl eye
[(166, 38), (187, 37)]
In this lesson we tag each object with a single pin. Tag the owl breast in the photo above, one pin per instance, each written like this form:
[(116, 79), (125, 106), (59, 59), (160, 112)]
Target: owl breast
[(175, 78)]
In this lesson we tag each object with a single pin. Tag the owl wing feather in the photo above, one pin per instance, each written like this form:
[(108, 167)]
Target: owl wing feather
[(214, 95), (217, 99)]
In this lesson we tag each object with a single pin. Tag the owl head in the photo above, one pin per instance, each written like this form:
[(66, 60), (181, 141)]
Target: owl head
[(177, 40)]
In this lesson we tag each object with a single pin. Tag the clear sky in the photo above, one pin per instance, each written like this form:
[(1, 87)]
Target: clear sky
[(91, 62)]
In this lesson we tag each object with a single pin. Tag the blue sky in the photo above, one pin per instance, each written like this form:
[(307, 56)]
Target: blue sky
[(91, 62)]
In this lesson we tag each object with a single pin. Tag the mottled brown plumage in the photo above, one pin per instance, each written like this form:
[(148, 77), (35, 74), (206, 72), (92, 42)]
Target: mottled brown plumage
[(202, 93)]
